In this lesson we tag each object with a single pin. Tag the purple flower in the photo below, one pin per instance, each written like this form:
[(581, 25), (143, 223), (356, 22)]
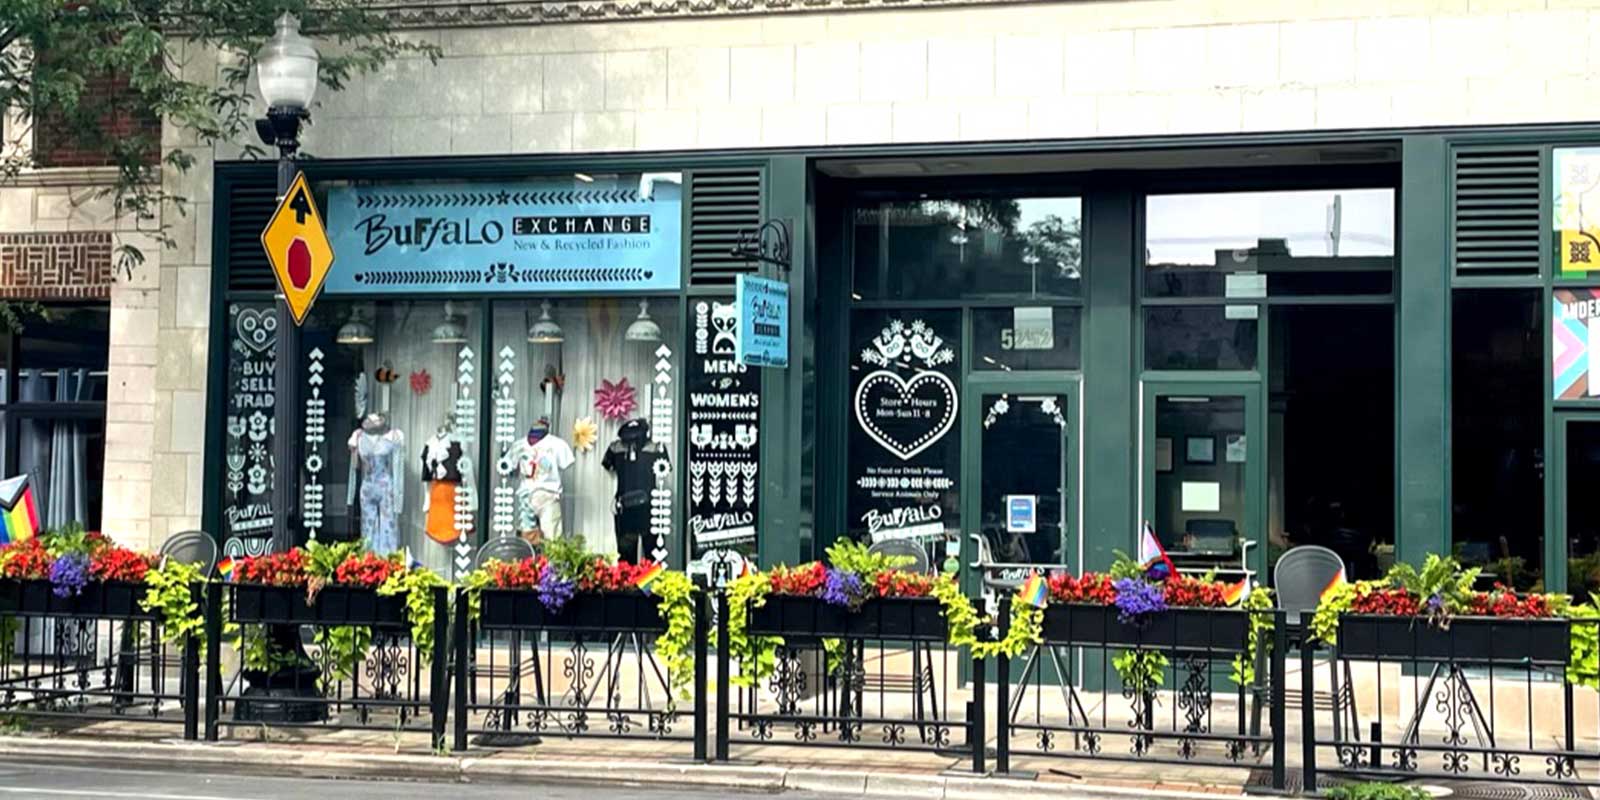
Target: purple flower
[(1158, 571), (842, 589), (1136, 597), (69, 574), (554, 592), (1435, 604)]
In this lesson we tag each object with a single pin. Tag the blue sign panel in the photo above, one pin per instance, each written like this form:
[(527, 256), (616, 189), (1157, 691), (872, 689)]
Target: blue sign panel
[(537, 236), (763, 321), (1022, 513)]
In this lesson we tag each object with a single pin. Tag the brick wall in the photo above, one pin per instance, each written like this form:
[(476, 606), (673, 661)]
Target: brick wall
[(115, 117)]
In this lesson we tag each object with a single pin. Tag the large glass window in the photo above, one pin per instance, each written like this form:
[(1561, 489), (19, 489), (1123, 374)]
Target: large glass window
[(967, 247), (54, 386), (1582, 455), (1200, 337), (1250, 244), (249, 431), (1027, 338), (1497, 433)]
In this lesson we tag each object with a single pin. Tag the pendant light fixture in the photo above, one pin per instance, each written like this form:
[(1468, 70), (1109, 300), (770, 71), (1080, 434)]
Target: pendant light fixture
[(546, 330), (356, 330), (450, 330), (643, 328)]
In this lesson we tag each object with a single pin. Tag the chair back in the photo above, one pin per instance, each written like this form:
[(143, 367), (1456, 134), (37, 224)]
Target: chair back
[(503, 548), (908, 548), (1300, 577), (196, 548)]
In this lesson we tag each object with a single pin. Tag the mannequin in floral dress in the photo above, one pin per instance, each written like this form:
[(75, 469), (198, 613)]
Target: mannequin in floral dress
[(377, 459)]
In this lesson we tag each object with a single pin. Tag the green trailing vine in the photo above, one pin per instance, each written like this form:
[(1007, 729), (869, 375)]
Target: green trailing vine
[(1256, 604), (343, 647), (674, 648), (756, 655), (1583, 662), (169, 593), (416, 587), (1142, 671)]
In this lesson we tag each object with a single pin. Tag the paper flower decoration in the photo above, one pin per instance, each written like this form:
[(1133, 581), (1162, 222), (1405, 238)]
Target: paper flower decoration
[(584, 434), (615, 400), (421, 382)]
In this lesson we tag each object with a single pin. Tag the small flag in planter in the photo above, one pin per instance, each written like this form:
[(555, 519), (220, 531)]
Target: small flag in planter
[(19, 514), (649, 576), (1150, 550), (228, 569), (1237, 592), (1034, 592), (1333, 585)]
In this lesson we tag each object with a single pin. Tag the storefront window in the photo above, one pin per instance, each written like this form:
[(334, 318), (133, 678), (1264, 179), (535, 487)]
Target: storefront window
[(583, 422), (1200, 337), (952, 248), (1251, 244), (248, 431), (1497, 433), (904, 445), (1026, 338), (1583, 523), (389, 425)]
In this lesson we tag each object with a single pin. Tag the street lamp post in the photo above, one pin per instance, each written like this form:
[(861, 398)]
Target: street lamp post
[(287, 72)]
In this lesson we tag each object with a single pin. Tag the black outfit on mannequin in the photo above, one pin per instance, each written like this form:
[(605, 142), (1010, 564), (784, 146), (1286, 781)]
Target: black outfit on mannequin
[(637, 462)]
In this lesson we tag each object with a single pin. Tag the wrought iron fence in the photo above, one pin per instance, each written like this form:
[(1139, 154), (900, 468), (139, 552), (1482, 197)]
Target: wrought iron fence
[(1480, 699), (344, 659), (884, 677), (588, 671), (94, 656), (1181, 686)]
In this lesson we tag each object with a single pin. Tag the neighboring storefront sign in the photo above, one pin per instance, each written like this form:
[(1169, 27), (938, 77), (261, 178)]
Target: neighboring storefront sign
[(1022, 513), (724, 420), (247, 515), (1575, 343), (904, 448), (763, 306), (543, 235), (1575, 212)]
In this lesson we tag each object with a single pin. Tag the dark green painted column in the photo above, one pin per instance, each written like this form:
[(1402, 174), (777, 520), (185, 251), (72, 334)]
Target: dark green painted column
[(784, 523), (1423, 353), (1110, 396)]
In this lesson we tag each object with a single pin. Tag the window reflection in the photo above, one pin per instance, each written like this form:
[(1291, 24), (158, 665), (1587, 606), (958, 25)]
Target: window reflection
[(942, 248), (1305, 242)]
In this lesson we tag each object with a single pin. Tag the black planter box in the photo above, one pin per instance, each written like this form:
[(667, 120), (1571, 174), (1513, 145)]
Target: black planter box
[(112, 600), (1217, 630), (1467, 640), (619, 612), (335, 605), (906, 618)]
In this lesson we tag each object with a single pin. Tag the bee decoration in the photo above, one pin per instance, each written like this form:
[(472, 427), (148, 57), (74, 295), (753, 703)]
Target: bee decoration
[(386, 373)]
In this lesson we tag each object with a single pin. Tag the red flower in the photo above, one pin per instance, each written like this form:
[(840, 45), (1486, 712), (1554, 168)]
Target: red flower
[(111, 563), (368, 569), (1093, 588), (802, 580), (1503, 601), (1385, 602), (522, 574), (1185, 592), (899, 583), (618, 577), (26, 560), (275, 569)]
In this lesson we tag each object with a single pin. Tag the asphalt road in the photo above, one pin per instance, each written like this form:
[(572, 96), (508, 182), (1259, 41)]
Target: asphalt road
[(30, 781)]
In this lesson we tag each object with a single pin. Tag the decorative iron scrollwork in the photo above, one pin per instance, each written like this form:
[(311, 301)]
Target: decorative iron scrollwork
[(768, 244)]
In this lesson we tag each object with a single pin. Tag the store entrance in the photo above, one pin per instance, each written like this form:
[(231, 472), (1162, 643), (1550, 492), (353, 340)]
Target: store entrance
[(1021, 472), (1203, 474)]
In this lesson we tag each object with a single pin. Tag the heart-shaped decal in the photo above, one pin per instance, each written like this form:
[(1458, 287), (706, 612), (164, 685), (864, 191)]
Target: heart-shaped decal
[(906, 417), (257, 328)]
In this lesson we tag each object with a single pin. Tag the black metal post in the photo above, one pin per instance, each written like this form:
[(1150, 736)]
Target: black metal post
[(285, 127), (1280, 644), (191, 673), (1308, 711), (213, 607), (1002, 696), (722, 677), (439, 700), (462, 644), (977, 723), (701, 646)]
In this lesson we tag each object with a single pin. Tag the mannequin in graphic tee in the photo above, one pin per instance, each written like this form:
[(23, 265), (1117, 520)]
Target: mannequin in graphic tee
[(639, 465), (377, 458), (445, 472), (540, 460)]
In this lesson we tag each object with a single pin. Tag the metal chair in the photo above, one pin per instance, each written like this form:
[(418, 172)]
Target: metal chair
[(509, 549), (921, 656), (1300, 577), (907, 548), (192, 547)]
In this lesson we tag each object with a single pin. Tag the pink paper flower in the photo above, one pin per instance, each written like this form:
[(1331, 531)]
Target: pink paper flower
[(615, 400)]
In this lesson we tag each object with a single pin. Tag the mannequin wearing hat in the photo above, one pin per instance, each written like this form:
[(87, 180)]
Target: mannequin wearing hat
[(540, 460)]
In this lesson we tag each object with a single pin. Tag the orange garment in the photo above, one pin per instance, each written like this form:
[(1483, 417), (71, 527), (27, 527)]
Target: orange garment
[(441, 522)]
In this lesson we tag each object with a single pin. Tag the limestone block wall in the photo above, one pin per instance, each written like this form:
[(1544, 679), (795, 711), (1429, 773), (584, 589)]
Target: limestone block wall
[(1074, 69)]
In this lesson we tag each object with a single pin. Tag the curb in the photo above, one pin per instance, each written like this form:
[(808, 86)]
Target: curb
[(301, 762)]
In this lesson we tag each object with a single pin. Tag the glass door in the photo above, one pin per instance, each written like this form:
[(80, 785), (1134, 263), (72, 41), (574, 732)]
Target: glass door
[(1020, 510), (1576, 471), (1202, 474)]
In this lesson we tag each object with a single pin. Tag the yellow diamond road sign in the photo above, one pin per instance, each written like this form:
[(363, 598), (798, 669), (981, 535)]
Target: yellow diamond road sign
[(297, 245)]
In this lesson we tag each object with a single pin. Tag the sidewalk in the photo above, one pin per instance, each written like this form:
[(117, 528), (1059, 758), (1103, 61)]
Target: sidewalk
[(755, 769)]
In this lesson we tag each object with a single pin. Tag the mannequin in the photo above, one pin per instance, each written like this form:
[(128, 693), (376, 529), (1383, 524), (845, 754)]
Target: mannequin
[(377, 456), (445, 471), (540, 460), (640, 465)]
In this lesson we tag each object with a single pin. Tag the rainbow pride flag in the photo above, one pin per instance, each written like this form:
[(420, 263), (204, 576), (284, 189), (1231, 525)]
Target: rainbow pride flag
[(1333, 585), (19, 514), (649, 576), (228, 569), (1034, 592), (1237, 592)]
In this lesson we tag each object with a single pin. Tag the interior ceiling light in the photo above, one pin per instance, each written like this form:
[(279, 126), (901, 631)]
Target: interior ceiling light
[(643, 328), (545, 330), (355, 330), (450, 330)]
